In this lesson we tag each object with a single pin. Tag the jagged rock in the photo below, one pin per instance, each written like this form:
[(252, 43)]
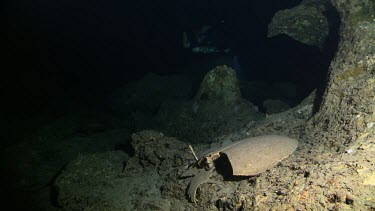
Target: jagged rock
[(355, 12), (154, 149), (347, 108), (305, 23), (113, 181)]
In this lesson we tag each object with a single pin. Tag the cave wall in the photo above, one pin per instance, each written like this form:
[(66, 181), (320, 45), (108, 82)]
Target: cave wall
[(346, 112)]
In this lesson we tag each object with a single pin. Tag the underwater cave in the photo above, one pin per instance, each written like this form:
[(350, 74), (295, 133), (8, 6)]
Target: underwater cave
[(188, 105)]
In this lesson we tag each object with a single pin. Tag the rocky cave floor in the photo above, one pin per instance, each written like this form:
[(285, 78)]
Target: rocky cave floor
[(81, 162)]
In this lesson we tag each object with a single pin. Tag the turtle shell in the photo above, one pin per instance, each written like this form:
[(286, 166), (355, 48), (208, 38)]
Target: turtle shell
[(255, 155)]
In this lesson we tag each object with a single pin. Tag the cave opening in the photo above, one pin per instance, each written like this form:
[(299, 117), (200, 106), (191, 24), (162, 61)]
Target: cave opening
[(279, 68)]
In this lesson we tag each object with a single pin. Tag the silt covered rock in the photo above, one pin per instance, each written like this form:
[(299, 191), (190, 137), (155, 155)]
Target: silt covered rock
[(219, 84), (305, 23)]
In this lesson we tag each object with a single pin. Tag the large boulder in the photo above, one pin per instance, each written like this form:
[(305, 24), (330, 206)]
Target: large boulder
[(219, 84), (305, 23)]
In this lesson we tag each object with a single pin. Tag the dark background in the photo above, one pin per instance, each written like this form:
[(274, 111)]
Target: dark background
[(59, 53)]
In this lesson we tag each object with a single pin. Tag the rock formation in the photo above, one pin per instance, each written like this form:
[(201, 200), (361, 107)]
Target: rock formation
[(347, 110)]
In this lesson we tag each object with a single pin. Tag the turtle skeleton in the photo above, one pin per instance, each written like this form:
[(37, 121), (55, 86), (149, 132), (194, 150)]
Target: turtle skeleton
[(247, 157)]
